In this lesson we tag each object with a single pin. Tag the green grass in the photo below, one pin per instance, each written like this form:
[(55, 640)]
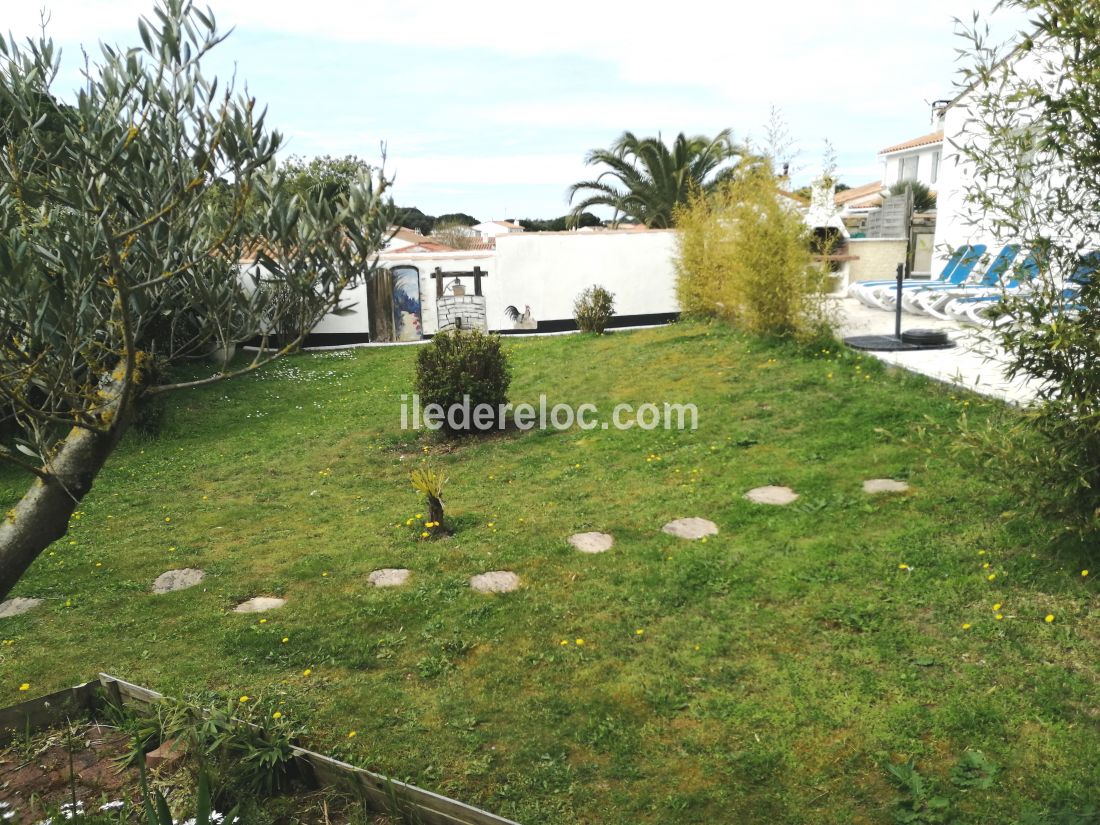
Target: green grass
[(783, 664)]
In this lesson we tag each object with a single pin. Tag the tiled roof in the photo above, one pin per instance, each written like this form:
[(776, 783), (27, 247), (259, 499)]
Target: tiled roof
[(859, 193), (915, 143)]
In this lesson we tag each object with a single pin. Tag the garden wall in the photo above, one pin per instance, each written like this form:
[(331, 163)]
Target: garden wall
[(878, 258)]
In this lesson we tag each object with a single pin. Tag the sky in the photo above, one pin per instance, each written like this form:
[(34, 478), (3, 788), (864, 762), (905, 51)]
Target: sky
[(489, 106)]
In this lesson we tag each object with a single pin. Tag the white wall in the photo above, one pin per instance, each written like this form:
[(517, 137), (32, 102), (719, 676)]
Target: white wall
[(924, 155), (547, 270)]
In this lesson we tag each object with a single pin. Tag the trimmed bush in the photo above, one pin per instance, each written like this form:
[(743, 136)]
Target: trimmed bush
[(463, 363), (593, 309)]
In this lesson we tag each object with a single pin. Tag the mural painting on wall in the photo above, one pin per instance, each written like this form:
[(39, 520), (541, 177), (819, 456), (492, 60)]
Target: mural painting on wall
[(406, 304)]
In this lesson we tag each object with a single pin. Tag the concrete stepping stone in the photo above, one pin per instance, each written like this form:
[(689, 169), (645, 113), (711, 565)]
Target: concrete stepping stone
[(177, 580), (17, 607), (259, 604), (884, 485), (592, 542), (691, 528), (772, 495), (389, 577), (495, 581)]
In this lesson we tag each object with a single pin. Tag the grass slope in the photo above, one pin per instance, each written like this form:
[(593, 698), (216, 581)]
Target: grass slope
[(770, 673)]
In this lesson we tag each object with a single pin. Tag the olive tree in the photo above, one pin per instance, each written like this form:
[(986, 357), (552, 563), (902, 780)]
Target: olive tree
[(124, 213), (1031, 173)]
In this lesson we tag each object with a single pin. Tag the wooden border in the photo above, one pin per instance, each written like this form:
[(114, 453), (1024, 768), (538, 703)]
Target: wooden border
[(46, 711), (379, 793)]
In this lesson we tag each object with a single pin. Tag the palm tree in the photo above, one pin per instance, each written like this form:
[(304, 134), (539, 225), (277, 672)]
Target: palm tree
[(646, 179)]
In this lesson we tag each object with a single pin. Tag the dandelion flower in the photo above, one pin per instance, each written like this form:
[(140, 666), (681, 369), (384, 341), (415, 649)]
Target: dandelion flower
[(999, 616), (903, 567), (263, 621), (244, 699), (991, 576), (580, 642), (325, 574), (419, 516), (425, 535), (996, 607), (307, 671), (25, 686), (1049, 618), (640, 631), (564, 642), (966, 625), (167, 519), (277, 715), (285, 639), (985, 566), (1084, 572), (351, 733)]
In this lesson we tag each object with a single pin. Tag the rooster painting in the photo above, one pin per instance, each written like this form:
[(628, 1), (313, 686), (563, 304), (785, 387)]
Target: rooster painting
[(521, 321)]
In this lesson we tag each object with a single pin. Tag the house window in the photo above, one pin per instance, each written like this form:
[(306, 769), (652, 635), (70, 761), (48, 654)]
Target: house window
[(935, 166), (909, 167)]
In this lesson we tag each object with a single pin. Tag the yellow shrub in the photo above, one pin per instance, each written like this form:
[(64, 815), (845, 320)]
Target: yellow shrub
[(744, 255)]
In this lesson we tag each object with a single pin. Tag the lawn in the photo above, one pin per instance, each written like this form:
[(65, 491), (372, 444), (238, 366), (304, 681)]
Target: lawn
[(771, 673)]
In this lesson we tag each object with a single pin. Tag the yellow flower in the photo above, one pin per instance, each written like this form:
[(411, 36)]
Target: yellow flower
[(580, 641), (981, 552), (408, 522), (351, 733), (325, 573), (1084, 572), (263, 621), (420, 515), (996, 607), (903, 567), (167, 519), (1049, 618), (307, 671), (286, 639), (985, 566), (243, 699), (639, 631), (277, 715), (998, 617), (966, 625), (25, 686), (991, 576), (565, 641), (425, 535)]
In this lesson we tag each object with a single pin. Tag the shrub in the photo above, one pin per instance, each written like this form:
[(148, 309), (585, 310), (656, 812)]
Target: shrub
[(744, 255), (430, 482), (593, 309), (463, 364)]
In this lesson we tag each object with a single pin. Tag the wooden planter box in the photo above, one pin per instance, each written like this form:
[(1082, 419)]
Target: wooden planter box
[(379, 793)]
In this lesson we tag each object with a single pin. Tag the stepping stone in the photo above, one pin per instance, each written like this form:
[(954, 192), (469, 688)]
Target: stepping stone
[(592, 542), (884, 485), (772, 495), (259, 604), (495, 581), (177, 580), (17, 607), (389, 577), (691, 528)]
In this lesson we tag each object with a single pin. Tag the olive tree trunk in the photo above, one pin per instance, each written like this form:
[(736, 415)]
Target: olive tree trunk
[(42, 516)]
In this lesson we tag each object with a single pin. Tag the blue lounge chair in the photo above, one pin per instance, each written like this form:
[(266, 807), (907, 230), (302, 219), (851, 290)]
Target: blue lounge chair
[(885, 295), (862, 290)]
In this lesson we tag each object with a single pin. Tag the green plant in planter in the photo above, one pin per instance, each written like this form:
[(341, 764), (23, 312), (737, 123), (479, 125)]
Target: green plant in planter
[(464, 370), (593, 309)]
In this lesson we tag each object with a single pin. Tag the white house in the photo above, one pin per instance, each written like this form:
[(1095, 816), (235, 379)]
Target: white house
[(494, 229), (1036, 173)]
